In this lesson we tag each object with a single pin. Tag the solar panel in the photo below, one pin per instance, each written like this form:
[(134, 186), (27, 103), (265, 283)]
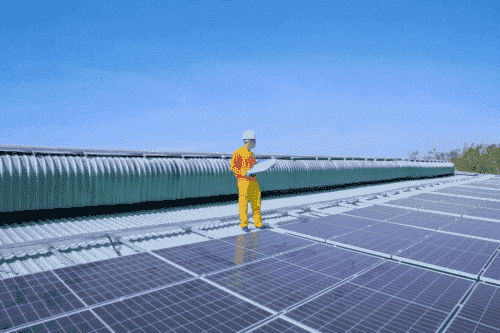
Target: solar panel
[(480, 311), (492, 273), (424, 220), (280, 325), (273, 283), (194, 306), (317, 229), (110, 279), (29, 298), (84, 321), (406, 202), (346, 221), (389, 297), (475, 227), (209, 256), (469, 191), (378, 212), (455, 254), (458, 200), (483, 185), (444, 207), (485, 212), (267, 242), (399, 231), (371, 242), (333, 261)]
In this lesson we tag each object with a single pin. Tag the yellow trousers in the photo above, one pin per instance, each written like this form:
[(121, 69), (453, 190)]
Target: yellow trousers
[(249, 190)]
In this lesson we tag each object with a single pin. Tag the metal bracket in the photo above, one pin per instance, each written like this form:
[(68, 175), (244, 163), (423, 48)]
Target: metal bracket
[(61, 256)]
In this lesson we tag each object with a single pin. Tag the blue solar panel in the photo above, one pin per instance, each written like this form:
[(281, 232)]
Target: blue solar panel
[(399, 231), (471, 192), (209, 256), (29, 298), (84, 321), (444, 207), (390, 297), (461, 255), (425, 220), (406, 202), (378, 212), (194, 306), (278, 326), (458, 200), (475, 227), (492, 273), (105, 280), (317, 229), (485, 212), (273, 283), (333, 261), (480, 313), (267, 242), (488, 186), (346, 221), (373, 243)]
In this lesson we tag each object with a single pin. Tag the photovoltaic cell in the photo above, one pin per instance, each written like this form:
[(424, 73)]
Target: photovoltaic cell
[(194, 306), (451, 252), (388, 298), (373, 242), (273, 283), (492, 273), (317, 229), (480, 313), (280, 325), (110, 279), (29, 298), (424, 220), (378, 212), (346, 221), (444, 207), (84, 321), (209, 256), (406, 202), (496, 187), (333, 261), (485, 212), (475, 227), (267, 242)]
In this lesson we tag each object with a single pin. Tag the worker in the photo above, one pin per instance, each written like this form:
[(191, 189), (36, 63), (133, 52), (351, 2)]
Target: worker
[(248, 188)]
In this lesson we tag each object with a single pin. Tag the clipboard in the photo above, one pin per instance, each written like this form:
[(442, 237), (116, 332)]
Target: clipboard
[(262, 166)]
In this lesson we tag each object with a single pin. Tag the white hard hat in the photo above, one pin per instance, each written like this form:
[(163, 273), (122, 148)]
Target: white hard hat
[(249, 135)]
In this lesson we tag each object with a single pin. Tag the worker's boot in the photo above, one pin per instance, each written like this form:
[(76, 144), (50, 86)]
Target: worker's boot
[(245, 229)]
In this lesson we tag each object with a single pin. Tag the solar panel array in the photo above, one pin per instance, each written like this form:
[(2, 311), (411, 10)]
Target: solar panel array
[(471, 192), (242, 282)]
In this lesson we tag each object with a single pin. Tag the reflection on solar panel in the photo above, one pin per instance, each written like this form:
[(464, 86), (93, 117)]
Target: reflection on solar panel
[(110, 279), (346, 221), (458, 200), (267, 242), (492, 273), (317, 229), (378, 212), (278, 326), (273, 283), (475, 227), (194, 306), (470, 191), (455, 254), (330, 260), (424, 220), (480, 312), (389, 297), (84, 321), (29, 298), (209, 256), (372, 242)]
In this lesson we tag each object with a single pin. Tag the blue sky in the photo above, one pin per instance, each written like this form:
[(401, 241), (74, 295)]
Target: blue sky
[(375, 78)]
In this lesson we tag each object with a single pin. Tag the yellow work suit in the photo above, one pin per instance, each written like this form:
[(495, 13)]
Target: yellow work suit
[(248, 188)]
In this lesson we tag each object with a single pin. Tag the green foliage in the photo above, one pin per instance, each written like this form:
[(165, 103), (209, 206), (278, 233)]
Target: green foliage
[(473, 161)]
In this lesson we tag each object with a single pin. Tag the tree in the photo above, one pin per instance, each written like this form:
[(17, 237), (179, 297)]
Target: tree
[(414, 155)]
